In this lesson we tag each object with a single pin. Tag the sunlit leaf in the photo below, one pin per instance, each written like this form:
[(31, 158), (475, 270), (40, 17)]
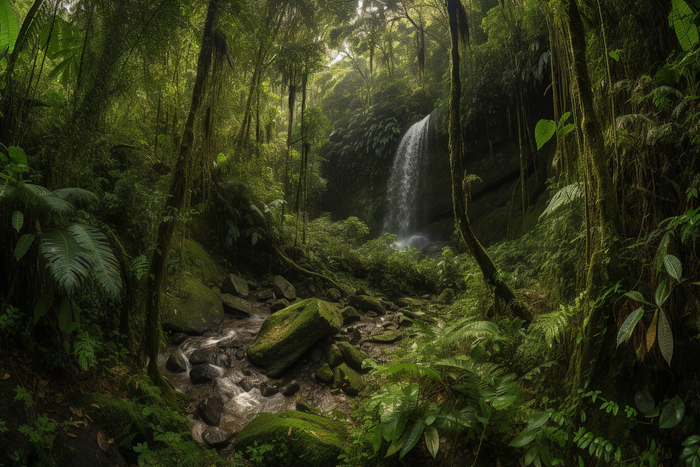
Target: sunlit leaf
[(651, 332), (8, 26), (432, 440), (628, 325), (636, 296), (672, 414), (663, 291), (544, 130), (414, 435), (673, 267), (665, 337), (681, 18), (524, 438)]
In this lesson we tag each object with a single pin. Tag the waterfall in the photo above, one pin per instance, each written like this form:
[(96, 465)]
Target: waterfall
[(406, 182)]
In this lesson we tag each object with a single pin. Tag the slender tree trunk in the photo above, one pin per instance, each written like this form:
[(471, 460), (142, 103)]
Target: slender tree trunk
[(176, 201), (488, 268)]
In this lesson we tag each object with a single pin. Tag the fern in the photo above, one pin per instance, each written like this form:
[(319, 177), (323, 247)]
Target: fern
[(64, 260), (76, 196), (552, 325), (565, 196), (105, 266), (8, 26)]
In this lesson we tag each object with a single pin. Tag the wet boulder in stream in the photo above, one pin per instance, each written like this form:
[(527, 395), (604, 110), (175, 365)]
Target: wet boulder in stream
[(177, 362), (210, 410), (287, 334), (192, 309), (203, 373), (235, 285), (237, 306), (284, 289)]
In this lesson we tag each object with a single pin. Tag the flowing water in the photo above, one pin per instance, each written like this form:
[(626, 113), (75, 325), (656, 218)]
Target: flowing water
[(405, 191)]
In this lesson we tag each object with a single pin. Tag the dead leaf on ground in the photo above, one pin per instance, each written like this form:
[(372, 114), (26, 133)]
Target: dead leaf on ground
[(317, 434), (102, 441), (76, 412), (110, 441), (6, 376), (290, 431), (95, 405), (71, 435)]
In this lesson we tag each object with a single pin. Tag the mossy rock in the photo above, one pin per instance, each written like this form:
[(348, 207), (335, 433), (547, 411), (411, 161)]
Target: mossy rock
[(287, 334), (333, 354), (201, 265), (194, 309), (350, 315), (311, 440), (333, 295), (388, 337), (347, 379), (367, 303), (352, 356), (324, 373)]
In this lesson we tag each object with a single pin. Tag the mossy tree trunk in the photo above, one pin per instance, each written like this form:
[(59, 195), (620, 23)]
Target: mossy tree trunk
[(176, 202), (459, 31)]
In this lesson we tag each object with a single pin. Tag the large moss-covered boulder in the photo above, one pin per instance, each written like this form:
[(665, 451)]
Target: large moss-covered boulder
[(193, 309), (199, 264), (311, 440), (352, 356), (367, 303), (347, 379), (287, 334)]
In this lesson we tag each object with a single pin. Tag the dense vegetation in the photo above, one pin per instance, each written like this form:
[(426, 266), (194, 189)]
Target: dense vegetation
[(266, 129)]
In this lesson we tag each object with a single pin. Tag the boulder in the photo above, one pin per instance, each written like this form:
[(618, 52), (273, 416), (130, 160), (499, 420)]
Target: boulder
[(216, 437), (350, 315), (312, 440), (290, 388), (178, 338), (235, 285), (246, 385), (192, 309), (264, 295), (347, 379), (284, 289), (204, 373), (196, 262), (177, 362), (287, 334), (388, 337), (324, 373), (352, 356), (210, 410), (268, 390), (200, 356), (333, 354), (237, 306), (279, 304), (367, 303)]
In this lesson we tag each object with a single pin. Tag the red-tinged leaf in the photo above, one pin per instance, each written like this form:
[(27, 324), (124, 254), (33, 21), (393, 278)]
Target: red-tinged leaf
[(651, 332)]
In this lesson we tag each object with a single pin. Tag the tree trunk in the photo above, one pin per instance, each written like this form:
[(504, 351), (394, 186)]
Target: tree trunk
[(175, 204)]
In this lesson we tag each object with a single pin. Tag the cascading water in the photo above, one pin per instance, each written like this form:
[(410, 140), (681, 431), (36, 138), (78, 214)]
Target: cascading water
[(406, 183)]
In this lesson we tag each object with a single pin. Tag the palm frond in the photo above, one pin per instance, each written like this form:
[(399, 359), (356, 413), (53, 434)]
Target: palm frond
[(76, 196), (32, 192), (565, 196), (56, 206), (64, 259), (105, 266)]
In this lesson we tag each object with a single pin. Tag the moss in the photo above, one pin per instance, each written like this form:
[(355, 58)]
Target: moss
[(200, 264), (193, 309), (347, 379), (351, 355), (287, 334), (324, 373), (312, 441), (332, 353)]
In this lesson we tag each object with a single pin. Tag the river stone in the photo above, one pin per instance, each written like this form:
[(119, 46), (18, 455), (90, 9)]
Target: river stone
[(268, 390), (324, 373), (240, 354), (279, 304), (264, 294), (235, 285), (290, 388), (210, 410), (333, 354), (178, 338), (388, 337), (177, 362), (237, 306), (351, 355), (246, 385), (284, 289), (192, 309), (216, 437), (287, 334), (347, 379), (223, 360), (366, 303), (200, 356), (350, 315), (204, 373), (313, 441), (197, 262)]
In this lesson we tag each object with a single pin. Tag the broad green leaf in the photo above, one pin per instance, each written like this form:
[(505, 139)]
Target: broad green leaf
[(524, 438), (17, 220), (665, 337), (8, 26), (64, 259), (673, 267), (432, 440), (538, 419), (614, 55), (562, 120), (544, 130), (672, 414), (663, 291), (636, 296), (23, 244), (394, 422), (105, 266), (681, 19), (377, 439), (628, 325), (414, 435), (44, 303), (395, 446), (530, 456), (691, 440), (16, 154), (651, 332)]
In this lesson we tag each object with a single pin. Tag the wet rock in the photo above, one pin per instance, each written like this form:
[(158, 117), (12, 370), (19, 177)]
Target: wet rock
[(352, 356), (177, 362), (305, 407), (237, 306), (388, 337), (240, 354), (290, 388), (356, 336), (287, 334), (371, 314), (217, 438), (235, 285), (268, 390), (350, 315), (192, 309), (264, 295), (317, 355), (347, 379), (200, 356), (324, 373), (333, 354), (230, 342), (284, 289), (388, 305), (223, 360), (246, 385), (178, 338), (210, 411), (366, 303), (313, 441), (278, 304), (204, 373)]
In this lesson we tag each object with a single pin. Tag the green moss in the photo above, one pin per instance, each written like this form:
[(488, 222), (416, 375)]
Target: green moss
[(347, 379), (324, 373), (333, 354), (352, 356), (287, 334), (201, 265), (193, 309), (311, 440)]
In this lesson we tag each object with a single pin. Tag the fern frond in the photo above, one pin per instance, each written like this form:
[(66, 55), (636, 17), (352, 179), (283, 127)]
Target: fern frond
[(76, 196), (33, 191), (565, 196), (552, 325), (472, 330), (56, 206), (105, 266), (64, 259)]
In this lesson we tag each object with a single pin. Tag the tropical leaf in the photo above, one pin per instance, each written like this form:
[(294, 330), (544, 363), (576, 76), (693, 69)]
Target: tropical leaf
[(104, 264), (651, 332), (665, 337), (394, 422), (17, 220), (672, 414), (7, 192), (637, 297), (544, 130), (414, 435), (681, 19), (628, 325), (432, 440), (64, 260), (76, 196), (8, 26), (23, 244), (663, 291), (673, 267), (56, 206)]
